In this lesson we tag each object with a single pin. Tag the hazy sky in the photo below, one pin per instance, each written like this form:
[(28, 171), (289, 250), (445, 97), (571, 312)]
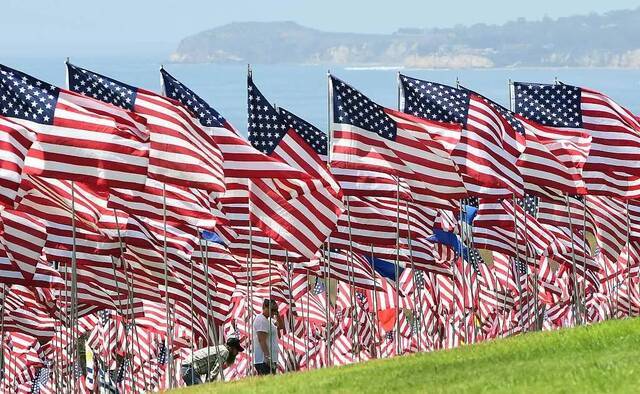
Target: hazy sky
[(86, 27)]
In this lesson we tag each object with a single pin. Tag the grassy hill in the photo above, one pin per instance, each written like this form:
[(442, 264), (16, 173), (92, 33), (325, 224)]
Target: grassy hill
[(599, 358)]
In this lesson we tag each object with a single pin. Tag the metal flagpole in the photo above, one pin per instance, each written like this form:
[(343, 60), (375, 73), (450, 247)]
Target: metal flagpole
[(536, 278), (374, 294), (628, 258), (349, 276), (413, 274), (584, 247), (2, 306), (514, 268), (205, 263), (526, 265), (205, 256), (329, 141), (577, 318), (307, 326), (270, 335), (250, 313), (326, 312), (191, 313), (166, 289), (250, 316), (290, 302), (119, 310), (397, 267), (74, 287), (130, 290), (463, 273)]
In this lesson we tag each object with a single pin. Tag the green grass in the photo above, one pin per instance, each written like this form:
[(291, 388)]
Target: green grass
[(594, 359)]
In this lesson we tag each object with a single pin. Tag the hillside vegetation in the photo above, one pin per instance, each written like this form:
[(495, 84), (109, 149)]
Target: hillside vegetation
[(595, 40), (594, 359)]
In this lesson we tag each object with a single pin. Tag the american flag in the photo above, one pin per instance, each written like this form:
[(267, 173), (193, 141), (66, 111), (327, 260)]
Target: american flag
[(180, 150), (241, 160), (307, 219), (255, 179), (72, 142), (491, 140), (611, 167), (367, 136)]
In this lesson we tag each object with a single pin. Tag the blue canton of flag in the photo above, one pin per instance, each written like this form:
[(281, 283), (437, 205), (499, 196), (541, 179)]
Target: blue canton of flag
[(529, 204), (475, 259), (352, 107), (550, 105), (101, 88), (434, 101), (162, 355), (266, 126), (389, 336), (207, 116), (25, 97), (418, 278), (319, 288), (40, 380)]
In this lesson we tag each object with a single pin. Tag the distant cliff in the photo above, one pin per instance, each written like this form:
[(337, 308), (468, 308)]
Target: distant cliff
[(595, 40)]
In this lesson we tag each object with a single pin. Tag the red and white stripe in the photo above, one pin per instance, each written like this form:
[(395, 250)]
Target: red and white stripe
[(553, 158), (15, 141), (85, 146), (488, 151), (182, 205), (610, 220), (23, 237)]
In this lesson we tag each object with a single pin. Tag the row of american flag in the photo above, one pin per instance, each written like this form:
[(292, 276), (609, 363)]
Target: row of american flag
[(137, 226)]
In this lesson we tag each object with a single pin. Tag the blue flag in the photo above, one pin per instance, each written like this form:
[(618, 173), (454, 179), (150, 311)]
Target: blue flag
[(212, 237), (384, 268)]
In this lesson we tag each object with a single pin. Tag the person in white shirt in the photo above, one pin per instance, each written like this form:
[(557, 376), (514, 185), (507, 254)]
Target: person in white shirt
[(265, 338), (209, 362)]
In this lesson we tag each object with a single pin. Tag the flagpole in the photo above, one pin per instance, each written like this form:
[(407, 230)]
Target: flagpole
[(2, 306), (514, 268), (270, 335), (526, 267), (576, 318), (74, 267), (166, 288), (307, 326), (463, 241), (349, 276), (191, 313), (206, 278), (290, 309), (374, 297), (250, 316), (74, 286), (397, 267), (130, 289), (413, 275), (329, 141), (584, 248), (628, 258)]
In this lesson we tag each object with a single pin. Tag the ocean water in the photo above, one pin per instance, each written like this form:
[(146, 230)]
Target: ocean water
[(303, 89)]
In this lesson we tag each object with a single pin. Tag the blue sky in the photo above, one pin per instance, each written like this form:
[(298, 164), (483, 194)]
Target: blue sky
[(130, 26)]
